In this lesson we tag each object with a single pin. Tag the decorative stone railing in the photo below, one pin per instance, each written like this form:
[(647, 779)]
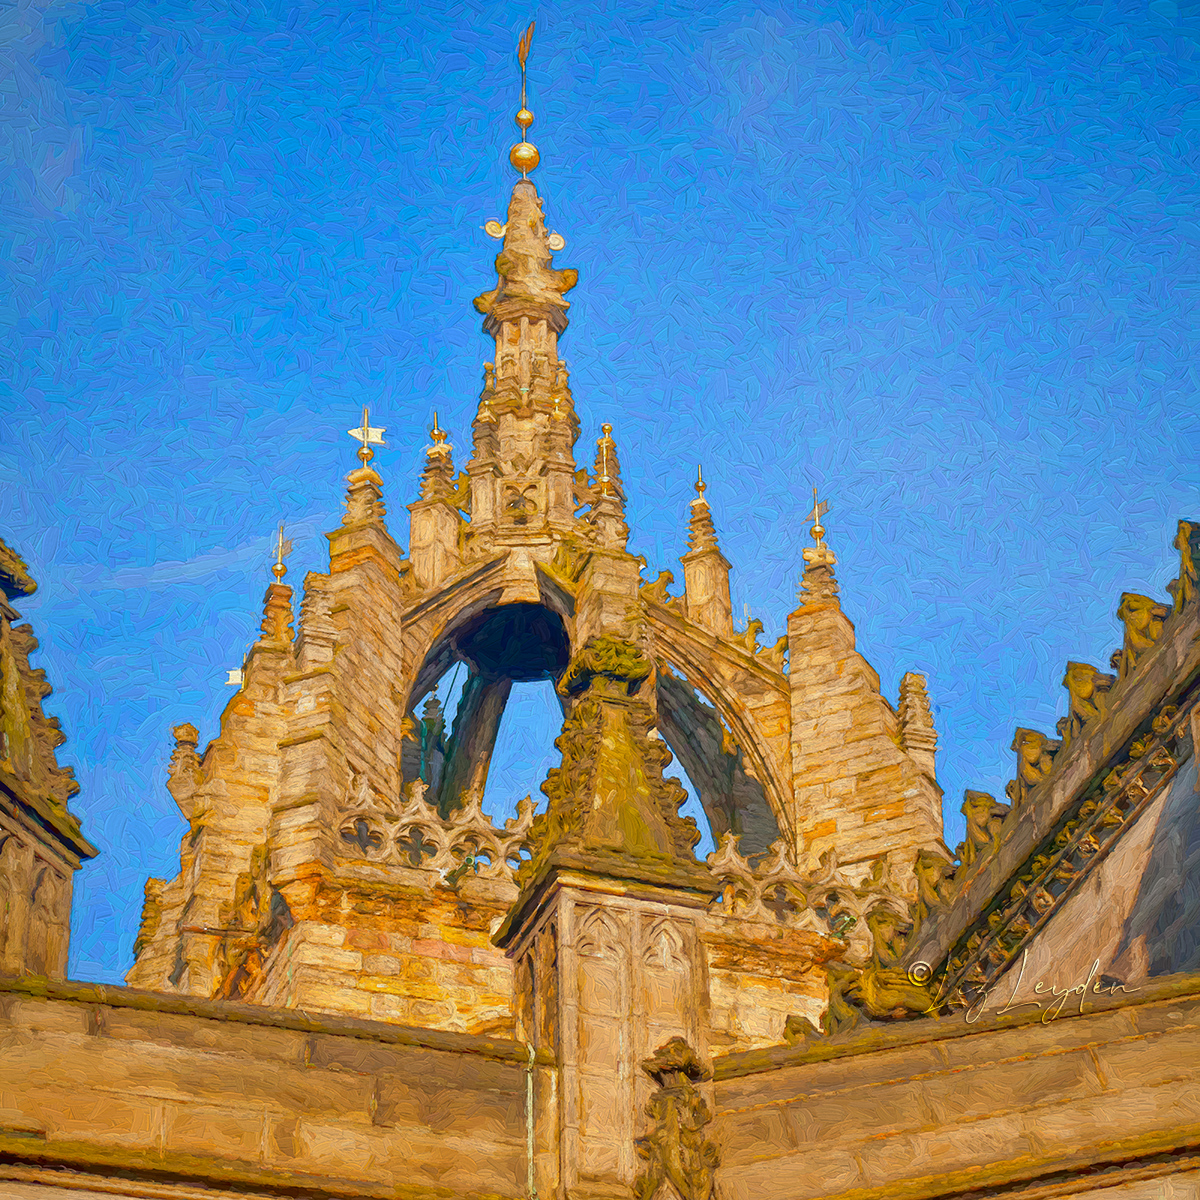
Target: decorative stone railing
[(1054, 875), (824, 898), (414, 835)]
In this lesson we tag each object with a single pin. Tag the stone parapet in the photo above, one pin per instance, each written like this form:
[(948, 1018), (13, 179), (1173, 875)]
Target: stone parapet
[(1005, 1106), (103, 1083), (1166, 676), (173, 1096)]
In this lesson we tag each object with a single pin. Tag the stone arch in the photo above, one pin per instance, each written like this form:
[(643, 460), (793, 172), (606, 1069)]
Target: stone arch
[(733, 799), (430, 625)]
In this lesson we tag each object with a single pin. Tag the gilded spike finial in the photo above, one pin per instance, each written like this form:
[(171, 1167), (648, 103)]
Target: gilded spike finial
[(437, 481), (702, 535), (283, 547), (277, 605), (524, 155), (604, 444)]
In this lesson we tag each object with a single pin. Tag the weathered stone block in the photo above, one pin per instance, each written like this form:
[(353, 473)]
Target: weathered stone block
[(212, 1130)]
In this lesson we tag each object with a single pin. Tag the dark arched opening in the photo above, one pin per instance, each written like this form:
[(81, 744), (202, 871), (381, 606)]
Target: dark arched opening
[(495, 647)]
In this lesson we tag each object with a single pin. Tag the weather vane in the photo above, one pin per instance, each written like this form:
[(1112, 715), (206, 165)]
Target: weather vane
[(819, 509), (524, 155), (818, 555), (369, 436)]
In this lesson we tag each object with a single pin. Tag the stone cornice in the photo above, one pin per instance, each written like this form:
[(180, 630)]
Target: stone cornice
[(63, 824)]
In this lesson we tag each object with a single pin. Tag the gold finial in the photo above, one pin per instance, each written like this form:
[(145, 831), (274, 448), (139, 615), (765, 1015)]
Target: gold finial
[(283, 547), (819, 509), (817, 555), (604, 443), (701, 486), (524, 155), (369, 436), (440, 446)]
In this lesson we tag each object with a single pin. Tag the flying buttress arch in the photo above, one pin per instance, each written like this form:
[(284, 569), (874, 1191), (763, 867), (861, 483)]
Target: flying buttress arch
[(752, 789)]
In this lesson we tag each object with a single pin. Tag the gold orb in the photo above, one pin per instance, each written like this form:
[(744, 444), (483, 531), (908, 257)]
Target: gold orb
[(524, 118), (524, 157)]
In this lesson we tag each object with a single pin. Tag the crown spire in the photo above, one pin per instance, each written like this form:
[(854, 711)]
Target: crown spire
[(523, 436)]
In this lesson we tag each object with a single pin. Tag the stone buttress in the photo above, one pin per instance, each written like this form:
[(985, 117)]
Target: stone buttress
[(863, 772)]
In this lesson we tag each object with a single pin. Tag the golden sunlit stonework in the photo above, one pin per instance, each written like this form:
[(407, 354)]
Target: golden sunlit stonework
[(358, 985)]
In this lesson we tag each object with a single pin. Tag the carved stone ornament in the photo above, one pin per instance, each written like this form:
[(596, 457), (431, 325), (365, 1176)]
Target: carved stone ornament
[(1088, 690), (680, 1160), (984, 820), (822, 897), (935, 884), (882, 990), (609, 794), (1035, 756), (417, 836), (1143, 619), (1185, 590)]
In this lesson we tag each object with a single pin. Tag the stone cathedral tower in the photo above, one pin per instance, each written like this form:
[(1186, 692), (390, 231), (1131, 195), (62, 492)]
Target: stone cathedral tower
[(337, 858)]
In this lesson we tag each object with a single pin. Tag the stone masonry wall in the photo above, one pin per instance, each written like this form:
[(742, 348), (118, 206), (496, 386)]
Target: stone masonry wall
[(940, 1108), (150, 1089), (857, 789), (112, 1088)]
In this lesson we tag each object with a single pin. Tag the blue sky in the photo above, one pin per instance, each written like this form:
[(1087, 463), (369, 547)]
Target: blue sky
[(938, 260)]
